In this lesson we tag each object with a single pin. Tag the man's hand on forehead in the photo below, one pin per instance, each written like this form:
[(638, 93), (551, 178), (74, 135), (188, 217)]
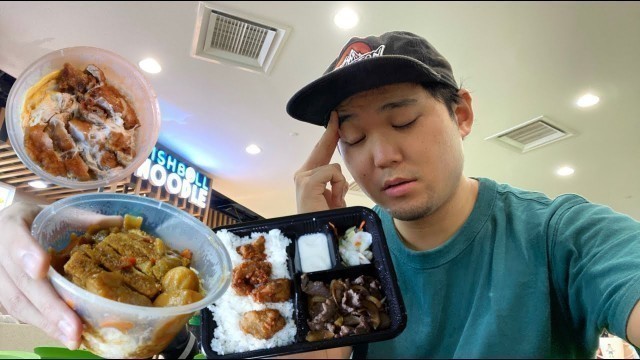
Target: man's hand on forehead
[(325, 147), (312, 178)]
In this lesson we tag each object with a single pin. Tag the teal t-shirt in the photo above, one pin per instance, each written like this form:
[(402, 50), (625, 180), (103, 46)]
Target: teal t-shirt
[(524, 277)]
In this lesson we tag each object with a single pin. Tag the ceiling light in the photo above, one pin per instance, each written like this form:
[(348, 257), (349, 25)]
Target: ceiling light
[(346, 18), (38, 184), (587, 100), (253, 149), (150, 65), (565, 171)]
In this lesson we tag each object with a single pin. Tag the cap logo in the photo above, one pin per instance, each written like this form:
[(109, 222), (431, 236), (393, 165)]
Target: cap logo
[(357, 52)]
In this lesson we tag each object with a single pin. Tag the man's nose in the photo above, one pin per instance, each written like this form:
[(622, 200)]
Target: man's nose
[(385, 151)]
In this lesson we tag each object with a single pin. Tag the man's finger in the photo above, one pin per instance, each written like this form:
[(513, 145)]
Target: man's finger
[(26, 253), (79, 220), (57, 317), (94, 219), (339, 186), (326, 146), (20, 307)]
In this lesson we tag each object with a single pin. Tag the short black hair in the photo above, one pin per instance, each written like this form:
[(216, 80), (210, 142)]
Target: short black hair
[(446, 94)]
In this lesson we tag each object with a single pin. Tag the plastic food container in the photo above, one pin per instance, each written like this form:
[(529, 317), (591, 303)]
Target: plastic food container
[(118, 330), (293, 227), (121, 74)]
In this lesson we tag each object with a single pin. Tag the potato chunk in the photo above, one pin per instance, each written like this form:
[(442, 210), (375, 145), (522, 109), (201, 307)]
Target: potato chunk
[(180, 278)]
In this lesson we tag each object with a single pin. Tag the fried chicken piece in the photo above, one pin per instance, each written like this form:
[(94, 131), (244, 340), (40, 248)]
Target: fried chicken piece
[(111, 285), (92, 113), (110, 259), (77, 167), (108, 160), (96, 73), (74, 81), (110, 100), (253, 251), (120, 141), (80, 266), (79, 129), (143, 248), (130, 244), (73, 162), (39, 146), (248, 274), (262, 324), (166, 263), (58, 133), (128, 115), (278, 290)]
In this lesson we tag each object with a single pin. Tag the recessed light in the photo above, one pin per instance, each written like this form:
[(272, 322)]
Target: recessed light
[(346, 18), (150, 65), (565, 171), (38, 184), (253, 149), (587, 100)]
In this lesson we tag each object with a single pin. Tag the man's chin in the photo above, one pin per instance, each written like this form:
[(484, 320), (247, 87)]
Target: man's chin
[(404, 212)]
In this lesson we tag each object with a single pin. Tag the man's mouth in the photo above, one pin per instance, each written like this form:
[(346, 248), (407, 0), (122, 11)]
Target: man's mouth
[(395, 183)]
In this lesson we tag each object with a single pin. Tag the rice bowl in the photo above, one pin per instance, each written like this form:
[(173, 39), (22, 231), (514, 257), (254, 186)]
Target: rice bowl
[(227, 310)]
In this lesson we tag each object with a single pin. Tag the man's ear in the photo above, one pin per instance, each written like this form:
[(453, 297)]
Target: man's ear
[(464, 113)]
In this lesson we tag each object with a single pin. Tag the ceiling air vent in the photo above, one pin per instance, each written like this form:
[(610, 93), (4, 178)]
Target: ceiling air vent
[(228, 37), (531, 134)]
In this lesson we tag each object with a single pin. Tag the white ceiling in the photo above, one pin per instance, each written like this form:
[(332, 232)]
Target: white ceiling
[(520, 60)]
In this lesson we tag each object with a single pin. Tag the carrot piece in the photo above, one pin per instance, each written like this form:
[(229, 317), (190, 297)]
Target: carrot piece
[(335, 231), (71, 304), (128, 262), (361, 225), (186, 253)]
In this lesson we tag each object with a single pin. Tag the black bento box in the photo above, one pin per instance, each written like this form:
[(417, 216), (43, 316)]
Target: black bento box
[(293, 227)]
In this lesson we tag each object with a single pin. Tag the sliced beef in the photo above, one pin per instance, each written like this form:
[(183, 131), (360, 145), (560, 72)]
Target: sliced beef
[(314, 288)]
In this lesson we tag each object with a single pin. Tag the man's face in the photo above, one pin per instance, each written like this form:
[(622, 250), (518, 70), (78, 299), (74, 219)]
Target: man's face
[(403, 148)]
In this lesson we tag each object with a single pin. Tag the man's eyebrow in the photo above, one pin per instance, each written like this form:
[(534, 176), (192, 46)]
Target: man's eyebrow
[(343, 118), (397, 103)]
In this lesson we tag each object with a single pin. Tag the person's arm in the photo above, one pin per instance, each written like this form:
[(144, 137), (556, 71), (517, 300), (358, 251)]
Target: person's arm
[(26, 292), (312, 195), (633, 326), (595, 259)]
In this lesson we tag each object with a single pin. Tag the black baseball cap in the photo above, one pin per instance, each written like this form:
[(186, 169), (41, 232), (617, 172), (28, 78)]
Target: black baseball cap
[(367, 63)]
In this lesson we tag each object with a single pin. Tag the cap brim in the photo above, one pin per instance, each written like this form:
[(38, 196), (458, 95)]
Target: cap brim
[(314, 102)]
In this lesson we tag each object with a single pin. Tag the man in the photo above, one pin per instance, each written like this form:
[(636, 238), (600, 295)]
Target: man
[(485, 269)]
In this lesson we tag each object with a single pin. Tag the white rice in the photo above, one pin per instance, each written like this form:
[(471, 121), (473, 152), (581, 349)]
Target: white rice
[(228, 309)]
